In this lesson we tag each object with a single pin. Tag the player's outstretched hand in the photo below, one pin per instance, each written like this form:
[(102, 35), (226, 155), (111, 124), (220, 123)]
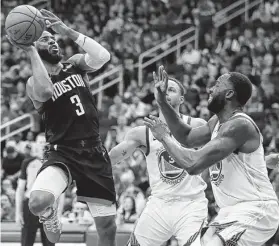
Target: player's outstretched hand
[(159, 128), (161, 84), (53, 22), (20, 46)]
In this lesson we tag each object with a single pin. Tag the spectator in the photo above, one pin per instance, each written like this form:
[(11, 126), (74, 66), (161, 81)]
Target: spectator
[(38, 147), (137, 193), (117, 134), (271, 6), (111, 139), (206, 10), (17, 142), (6, 113), (204, 114), (137, 108), (7, 209), (11, 163), (127, 213), (7, 189), (261, 14), (79, 215), (190, 55), (118, 108)]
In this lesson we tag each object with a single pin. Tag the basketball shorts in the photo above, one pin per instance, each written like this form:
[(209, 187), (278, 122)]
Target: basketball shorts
[(89, 166), (161, 219), (247, 223)]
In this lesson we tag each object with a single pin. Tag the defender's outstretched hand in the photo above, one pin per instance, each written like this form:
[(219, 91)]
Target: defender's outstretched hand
[(161, 84), (53, 22), (159, 128)]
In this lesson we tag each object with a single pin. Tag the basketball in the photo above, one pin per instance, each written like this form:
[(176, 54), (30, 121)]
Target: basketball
[(24, 24)]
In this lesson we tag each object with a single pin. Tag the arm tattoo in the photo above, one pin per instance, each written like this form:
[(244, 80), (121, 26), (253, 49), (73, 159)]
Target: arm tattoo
[(124, 152)]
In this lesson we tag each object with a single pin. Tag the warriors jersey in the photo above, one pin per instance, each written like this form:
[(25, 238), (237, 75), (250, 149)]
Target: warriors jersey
[(241, 177), (166, 179), (71, 113)]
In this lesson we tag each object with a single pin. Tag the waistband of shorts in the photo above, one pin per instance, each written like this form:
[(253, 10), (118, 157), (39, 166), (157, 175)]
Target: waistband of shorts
[(185, 198), (81, 143)]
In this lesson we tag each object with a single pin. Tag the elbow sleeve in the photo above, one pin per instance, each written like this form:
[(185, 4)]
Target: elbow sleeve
[(97, 62)]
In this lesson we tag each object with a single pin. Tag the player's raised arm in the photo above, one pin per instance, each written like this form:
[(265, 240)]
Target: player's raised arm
[(96, 55), (39, 86), (184, 133), (233, 134), (135, 138)]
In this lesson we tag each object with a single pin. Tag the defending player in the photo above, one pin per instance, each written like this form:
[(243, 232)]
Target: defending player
[(177, 205), (233, 152), (59, 91)]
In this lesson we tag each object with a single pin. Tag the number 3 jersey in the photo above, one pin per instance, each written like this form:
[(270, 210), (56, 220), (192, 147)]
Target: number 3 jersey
[(71, 113), (167, 181)]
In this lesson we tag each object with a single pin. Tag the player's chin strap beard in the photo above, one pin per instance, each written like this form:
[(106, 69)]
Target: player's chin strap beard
[(51, 59)]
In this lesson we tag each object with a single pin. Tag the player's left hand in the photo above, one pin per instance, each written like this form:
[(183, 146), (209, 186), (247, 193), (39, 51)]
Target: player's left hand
[(159, 128), (53, 22), (24, 47)]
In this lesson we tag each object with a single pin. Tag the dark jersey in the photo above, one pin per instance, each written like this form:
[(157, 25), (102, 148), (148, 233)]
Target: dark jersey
[(71, 113)]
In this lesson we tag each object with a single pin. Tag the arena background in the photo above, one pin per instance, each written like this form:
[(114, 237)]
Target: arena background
[(196, 41)]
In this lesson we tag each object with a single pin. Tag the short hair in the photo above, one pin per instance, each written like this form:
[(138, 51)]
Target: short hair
[(182, 89), (242, 86)]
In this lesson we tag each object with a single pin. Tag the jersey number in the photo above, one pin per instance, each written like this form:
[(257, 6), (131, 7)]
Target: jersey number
[(75, 100)]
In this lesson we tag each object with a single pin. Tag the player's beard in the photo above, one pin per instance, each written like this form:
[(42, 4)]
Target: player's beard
[(50, 58), (217, 103)]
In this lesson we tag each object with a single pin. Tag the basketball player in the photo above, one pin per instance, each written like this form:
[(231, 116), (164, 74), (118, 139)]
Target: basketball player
[(60, 93), (233, 152), (177, 205)]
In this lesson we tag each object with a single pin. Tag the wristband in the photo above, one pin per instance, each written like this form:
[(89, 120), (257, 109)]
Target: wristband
[(80, 40)]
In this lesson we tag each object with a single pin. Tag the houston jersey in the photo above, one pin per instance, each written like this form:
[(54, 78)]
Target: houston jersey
[(166, 180), (71, 113), (241, 177)]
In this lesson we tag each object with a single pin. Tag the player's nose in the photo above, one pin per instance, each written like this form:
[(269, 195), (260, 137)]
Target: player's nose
[(51, 42)]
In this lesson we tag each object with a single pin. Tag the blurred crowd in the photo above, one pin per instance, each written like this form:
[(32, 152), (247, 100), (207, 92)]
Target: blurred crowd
[(127, 28)]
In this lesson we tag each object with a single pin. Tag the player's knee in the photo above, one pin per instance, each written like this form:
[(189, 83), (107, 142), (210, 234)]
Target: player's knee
[(106, 227), (39, 201)]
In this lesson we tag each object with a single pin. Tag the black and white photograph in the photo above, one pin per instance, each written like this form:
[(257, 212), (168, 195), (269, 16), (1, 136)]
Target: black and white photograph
[(139, 123)]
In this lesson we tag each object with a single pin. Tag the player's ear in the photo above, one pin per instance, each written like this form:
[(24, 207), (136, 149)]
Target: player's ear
[(230, 94), (181, 99)]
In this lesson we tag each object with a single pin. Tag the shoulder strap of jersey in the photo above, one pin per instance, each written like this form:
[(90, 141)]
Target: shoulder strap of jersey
[(238, 115), (147, 141), (216, 126)]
